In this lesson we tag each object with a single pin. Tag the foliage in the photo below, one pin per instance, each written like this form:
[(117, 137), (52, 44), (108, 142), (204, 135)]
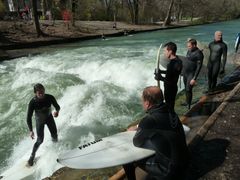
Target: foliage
[(2, 9), (140, 11)]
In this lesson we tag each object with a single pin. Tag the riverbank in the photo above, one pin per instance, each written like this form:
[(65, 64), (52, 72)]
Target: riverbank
[(19, 38)]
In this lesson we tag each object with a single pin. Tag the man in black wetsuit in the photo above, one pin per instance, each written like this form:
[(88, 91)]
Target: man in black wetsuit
[(191, 69), (218, 50), (173, 71), (41, 104), (162, 131)]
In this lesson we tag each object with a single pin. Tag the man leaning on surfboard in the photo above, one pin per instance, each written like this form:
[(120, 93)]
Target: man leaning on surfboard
[(161, 131)]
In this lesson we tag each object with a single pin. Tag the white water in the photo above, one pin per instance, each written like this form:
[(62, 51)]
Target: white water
[(98, 87), (94, 91)]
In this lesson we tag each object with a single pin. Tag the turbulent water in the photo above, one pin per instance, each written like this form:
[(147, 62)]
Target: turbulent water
[(97, 83)]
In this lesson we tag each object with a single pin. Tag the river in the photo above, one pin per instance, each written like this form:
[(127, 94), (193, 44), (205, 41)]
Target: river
[(97, 83)]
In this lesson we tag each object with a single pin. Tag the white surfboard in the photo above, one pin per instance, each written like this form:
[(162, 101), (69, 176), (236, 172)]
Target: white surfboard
[(158, 63), (110, 151), (236, 43), (19, 170)]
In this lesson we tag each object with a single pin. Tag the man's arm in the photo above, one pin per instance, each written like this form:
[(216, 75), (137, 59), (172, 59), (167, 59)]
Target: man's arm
[(224, 59), (29, 115), (56, 106), (199, 65), (158, 74)]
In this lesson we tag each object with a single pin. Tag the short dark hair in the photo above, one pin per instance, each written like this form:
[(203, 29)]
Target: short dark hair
[(153, 94), (38, 87), (193, 41), (171, 46)]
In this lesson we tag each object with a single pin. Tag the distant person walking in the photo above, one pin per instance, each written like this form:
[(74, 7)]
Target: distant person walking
[(172, 72), (217, 60), (191, 69), (66, 15), (41, 105)]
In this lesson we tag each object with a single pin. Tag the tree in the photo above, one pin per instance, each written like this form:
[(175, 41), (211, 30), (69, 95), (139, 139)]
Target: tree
[(179, 10), (108, 8), (36, 20), (133, 8), (2, 8), (167, 20), (74, 4)]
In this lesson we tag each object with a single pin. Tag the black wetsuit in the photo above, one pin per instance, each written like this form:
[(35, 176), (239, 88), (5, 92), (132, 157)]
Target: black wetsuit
[(162, 131), (191, 69), (217, 50), (42, 108), (173, 71)]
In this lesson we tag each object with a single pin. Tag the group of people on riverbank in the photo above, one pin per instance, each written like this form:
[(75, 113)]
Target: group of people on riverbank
[(160, 129), (191, 68)]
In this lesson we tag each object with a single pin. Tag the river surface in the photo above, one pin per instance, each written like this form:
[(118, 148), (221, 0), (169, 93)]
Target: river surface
[(98, 84)]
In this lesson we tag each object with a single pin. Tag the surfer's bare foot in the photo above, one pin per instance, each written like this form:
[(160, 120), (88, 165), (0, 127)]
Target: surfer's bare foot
[(30, 161)]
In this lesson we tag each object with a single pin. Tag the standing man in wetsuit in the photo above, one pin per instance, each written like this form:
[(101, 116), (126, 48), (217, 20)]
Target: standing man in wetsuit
[(218, 51), (173, 71), (191, 69), (162, 131), (41, 105)]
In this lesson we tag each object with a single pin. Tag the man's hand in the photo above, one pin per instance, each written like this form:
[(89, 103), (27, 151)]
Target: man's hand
[(193, 82), (157, 74), (222, 72), (32, 134), (55, 114)]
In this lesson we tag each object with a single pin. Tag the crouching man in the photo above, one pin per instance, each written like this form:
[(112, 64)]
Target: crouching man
[(162, 131)]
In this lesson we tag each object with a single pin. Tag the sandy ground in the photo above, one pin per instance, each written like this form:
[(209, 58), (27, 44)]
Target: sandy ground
[(221, 146)]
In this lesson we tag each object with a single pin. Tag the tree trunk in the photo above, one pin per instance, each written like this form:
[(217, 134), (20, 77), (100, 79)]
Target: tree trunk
[(73, 11), (44, 9), (36, 20), (130, 7), (135, 11), (179, 11), (133, 8), (192, 12), (167, 20)]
